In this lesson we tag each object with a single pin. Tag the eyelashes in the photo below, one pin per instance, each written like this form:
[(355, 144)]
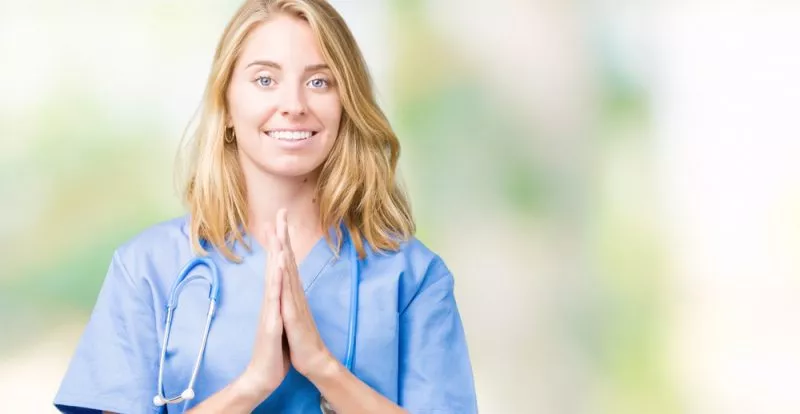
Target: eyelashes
[(265, 81)]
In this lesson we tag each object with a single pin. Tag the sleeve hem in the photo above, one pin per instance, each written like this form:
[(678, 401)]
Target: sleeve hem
[(414, 410), (64, 402)]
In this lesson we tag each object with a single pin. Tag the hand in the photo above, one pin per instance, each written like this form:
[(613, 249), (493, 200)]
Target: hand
[(270, 361), (308, 353)]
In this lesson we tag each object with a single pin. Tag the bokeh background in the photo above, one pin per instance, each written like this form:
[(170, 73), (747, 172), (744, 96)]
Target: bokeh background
[(616, 185)]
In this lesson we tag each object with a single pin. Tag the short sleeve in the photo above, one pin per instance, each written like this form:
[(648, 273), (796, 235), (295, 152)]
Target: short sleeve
[(115, 365), (435, 368)]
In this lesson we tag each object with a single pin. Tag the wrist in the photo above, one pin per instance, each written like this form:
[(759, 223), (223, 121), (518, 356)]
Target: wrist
[(248, 387), (328, 369)]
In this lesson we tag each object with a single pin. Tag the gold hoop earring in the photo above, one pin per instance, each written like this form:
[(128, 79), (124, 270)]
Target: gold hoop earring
[(230, 137)]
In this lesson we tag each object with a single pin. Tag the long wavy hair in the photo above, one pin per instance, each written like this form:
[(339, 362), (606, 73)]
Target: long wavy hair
[(357, 185)]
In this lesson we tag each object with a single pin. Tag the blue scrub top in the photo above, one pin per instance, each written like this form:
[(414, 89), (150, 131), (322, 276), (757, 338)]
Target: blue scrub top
[(410, 343)]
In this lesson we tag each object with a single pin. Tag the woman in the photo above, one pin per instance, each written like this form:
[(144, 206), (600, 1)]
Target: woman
[(291, 194)]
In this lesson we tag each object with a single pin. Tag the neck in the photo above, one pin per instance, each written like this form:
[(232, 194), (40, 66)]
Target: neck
[(266, 194)]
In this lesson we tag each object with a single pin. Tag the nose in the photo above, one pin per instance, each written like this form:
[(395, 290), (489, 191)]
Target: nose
[(292, 102)]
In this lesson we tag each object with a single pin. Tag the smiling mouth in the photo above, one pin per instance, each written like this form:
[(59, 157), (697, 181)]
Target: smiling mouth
[(284, 135)]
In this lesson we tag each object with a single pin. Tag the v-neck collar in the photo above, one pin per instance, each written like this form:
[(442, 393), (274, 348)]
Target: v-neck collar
[(317, 259)]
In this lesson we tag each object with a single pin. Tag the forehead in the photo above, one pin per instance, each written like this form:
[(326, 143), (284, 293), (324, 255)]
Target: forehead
[(285, 39)]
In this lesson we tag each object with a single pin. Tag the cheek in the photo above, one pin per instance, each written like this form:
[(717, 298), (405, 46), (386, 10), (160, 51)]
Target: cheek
[(248, 106), (329, 110)]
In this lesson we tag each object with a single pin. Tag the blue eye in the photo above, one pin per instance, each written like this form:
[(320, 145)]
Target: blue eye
[(264, 81), (319, 83)]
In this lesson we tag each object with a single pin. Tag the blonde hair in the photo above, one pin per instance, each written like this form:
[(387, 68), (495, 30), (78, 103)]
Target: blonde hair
[(357, 186)]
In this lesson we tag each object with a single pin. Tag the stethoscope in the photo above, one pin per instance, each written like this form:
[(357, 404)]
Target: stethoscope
[(213, 295)]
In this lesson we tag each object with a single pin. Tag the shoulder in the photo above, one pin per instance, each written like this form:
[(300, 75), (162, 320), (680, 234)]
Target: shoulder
[(416, 265), (139, 267), (165, 239)]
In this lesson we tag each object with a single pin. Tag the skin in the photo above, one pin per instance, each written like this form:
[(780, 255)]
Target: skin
[(280, 82)]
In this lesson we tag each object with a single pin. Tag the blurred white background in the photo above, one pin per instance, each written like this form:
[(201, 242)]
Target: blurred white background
[(615, 185)]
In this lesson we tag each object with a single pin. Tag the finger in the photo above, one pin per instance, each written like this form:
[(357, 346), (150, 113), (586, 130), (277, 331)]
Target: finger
[(274, 281), (284, 235), (294, 286), (292, 276), (287, 281), (270, 320), (272, 251), (269, 266), (281, 227), (273, 300), (288, 301)]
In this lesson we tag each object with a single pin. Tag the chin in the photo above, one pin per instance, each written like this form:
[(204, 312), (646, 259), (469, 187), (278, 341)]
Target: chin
[(292, 170)]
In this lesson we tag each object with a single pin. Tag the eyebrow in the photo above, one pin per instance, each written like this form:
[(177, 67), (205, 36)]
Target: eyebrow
[(271, 64)]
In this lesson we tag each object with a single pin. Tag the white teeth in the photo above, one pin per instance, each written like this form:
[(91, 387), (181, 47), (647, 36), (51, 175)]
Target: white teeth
[(290, 135)]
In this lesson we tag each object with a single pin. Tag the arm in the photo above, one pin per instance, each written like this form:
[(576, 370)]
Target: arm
[(270, 361), (435, 368), (121, 333), (240, 396), (309, 355), (341, 388), (348, 393)]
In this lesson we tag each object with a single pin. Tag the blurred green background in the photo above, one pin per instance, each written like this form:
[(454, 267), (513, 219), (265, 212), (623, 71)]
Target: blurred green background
[(614, 185)]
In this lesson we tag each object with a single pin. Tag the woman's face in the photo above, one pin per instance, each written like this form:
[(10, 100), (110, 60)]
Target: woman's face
[(282, 100)]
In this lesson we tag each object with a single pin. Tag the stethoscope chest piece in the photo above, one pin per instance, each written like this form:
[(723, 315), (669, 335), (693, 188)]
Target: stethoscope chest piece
[(325, 407), (213, 280)]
